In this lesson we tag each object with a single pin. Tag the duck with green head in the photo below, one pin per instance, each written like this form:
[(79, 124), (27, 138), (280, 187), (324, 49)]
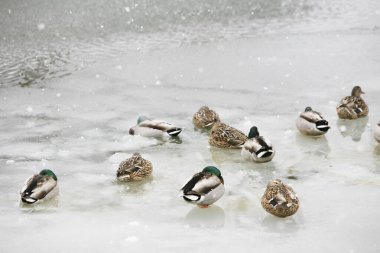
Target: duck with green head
[(312, 123), (154, 128), (40, 187), (352, 107), (224, 136), (134, 168), (205, 118), (257, 148), (205, 187), (280, 199)]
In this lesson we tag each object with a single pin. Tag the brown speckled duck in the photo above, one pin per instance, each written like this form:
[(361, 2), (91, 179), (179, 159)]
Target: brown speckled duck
[(135, 168), (205, 118), (280, 199), (352, 107), (224, 136)]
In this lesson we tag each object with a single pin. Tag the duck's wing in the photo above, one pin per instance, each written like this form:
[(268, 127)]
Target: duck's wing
[(201, 183), (311, 116), (234, 137), (162, 126)]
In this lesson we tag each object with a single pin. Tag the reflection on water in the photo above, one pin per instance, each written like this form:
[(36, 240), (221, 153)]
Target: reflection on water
[(318, 146), (281, 225), (45, 206), (134, 187), (221, 156), (353, 128), (210, 217)]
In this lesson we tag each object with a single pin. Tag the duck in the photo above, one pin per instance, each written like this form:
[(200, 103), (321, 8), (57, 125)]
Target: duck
[(204, 188), (205, 118), (257, 148), (377, 132), (42, 186), (154, 128), (352, 107), (224, 136), (134, 168), (312, 123), (280, 199)]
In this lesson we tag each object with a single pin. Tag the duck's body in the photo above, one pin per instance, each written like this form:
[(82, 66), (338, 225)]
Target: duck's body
[(135, 168), (352, 107), (224, 136), (280, 199), (377, 132), (204, 188), (205, 118), (154, 128), (312, 123), (257, 148), (42, 186)]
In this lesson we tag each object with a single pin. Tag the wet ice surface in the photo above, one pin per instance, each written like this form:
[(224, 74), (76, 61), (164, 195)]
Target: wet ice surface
[(78, 127)]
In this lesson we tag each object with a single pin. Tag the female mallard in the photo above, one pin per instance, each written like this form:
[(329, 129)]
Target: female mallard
[(135, 168), (205, 187), (205, 118), (352, 107), (257, 148), (280, 199), (154, 128), (224, 136), (312, 123), (377, 132), (40, 187)]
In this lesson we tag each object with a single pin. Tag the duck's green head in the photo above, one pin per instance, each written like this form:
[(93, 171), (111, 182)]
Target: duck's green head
[(141, 119), (253, 133), (357, 91), (48, 173), (308, 109), (212, 170)]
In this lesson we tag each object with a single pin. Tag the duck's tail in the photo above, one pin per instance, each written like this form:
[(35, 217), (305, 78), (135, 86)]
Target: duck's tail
[(322, 125), (191, 196)]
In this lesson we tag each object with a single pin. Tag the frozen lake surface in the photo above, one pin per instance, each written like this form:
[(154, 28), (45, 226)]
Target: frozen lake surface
[(74, 77)]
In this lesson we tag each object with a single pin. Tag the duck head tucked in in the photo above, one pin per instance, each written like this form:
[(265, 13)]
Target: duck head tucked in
[(39, 187), (205, 187)]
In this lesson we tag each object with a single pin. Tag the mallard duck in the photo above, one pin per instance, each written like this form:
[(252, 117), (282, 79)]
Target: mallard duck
[(224, 136), (257, 148), (154, 128), (280, 199), (352, 107), (205, 187), (377, 132), (39, 187), (134, 168), (312, 123), (205, 118)]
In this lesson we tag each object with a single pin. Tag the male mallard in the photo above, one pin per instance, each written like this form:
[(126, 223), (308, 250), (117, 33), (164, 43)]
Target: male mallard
[(135, 168), (352, 107), (224, 136), (377, 132), (257, 148), (280, 199), (154, 128), (312, 123), (40, 187), (205, 118), (205, 187)]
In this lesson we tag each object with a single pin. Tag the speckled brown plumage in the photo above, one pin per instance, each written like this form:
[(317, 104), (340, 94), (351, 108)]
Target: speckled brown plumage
[(205, 118), (352, 107), (280, 199), (135, 168), (224, 136)]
